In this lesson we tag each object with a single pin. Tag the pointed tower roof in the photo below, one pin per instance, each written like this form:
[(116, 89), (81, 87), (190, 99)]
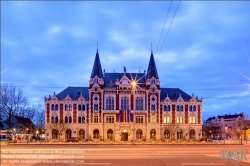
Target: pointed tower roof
[(152, 71), (97, 68)]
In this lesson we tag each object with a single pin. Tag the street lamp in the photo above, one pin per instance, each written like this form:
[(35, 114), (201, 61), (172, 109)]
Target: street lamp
[(27, 129), (37, 132), (133, 90)]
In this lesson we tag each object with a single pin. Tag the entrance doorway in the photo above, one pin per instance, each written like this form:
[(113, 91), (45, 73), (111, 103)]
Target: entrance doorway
[(125, 135)]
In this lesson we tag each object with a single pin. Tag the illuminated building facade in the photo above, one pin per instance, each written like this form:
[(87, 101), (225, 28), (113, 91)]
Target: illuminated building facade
[(111, 107)]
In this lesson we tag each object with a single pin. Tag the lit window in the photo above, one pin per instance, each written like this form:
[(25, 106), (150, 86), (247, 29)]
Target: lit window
[(153, 119)]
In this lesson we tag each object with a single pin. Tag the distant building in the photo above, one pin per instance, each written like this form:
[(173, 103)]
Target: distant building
[(110, 108), (224, 126)]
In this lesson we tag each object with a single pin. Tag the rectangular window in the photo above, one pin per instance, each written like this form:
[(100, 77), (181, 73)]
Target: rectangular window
[(168, 119), (177, 120), (153, 119), (96, 107), (153, 107), (181, 120), (190, 119), (109, 119), (165, 120), (95, 119), (139, 119), (193, 119)]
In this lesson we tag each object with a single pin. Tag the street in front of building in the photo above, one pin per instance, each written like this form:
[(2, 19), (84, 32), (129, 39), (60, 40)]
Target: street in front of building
[(157, 155)]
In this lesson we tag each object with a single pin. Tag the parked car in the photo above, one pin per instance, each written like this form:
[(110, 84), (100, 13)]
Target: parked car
[(73, 139)]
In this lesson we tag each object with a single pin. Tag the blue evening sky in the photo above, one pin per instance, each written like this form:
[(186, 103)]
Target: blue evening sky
[(48, 46)]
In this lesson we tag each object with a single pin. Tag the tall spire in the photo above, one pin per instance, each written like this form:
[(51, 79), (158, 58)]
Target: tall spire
[(97, 68), (152, 71)]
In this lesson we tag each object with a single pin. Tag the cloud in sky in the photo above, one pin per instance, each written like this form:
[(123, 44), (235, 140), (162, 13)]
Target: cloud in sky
[(206, 40)]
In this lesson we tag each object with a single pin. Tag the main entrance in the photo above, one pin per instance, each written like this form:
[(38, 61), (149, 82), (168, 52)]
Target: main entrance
[(124, 135)]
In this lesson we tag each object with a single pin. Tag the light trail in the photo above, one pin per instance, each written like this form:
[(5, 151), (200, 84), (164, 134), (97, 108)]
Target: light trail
[(12, 65)]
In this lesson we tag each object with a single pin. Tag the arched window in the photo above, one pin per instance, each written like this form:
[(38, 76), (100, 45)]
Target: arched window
[(139, 134), (52, 119), (110, 103), (190, 108), (79, 107), (52, 107), (169, 108), (179, 134), (56, 106), (139, 103), (194, 108), (178, 108), (96, 134), (66, 119), (79, 119), (124, 103), (68, 134), (83, 119), (165, 108), (70, 107), (167, 134), (70, 119), (109, 133), (192, 134), (56, 119), (66, 107), (81, 134), (83, 107), (181, 108), (152, 134), (54, 134)]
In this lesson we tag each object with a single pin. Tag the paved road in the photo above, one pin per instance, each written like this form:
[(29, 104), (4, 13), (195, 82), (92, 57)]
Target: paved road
[(116, 155)]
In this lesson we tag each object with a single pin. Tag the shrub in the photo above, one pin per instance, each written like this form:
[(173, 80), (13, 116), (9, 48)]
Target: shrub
[(204, 138), (18, 137)]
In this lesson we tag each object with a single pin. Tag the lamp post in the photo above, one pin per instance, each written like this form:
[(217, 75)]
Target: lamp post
[(27, 136), (133, 92)]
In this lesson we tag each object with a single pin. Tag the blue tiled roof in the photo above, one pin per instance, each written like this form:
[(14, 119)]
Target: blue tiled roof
[(225, 117), (173, 94), (152, 71), (109, 77), (97, 68), (74, 93)]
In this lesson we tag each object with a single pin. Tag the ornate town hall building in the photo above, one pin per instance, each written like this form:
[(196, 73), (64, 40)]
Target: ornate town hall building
[(123, 106)]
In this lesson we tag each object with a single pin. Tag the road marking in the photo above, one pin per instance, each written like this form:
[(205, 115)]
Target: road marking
[(203, 164)]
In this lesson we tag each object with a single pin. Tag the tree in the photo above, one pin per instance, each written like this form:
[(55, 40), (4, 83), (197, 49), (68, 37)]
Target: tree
[(60, 127), (241, 126), (172, 127), (13, 103)]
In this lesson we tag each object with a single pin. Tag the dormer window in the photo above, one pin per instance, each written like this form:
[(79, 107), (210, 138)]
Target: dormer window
[(96, 80), (152, 81)]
